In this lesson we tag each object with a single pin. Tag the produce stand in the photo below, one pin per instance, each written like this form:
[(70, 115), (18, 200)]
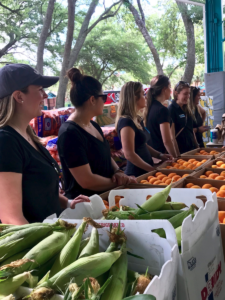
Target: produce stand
[(209, 151)]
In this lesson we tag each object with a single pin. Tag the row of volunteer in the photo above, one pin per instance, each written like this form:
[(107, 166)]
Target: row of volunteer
[(29, 176)]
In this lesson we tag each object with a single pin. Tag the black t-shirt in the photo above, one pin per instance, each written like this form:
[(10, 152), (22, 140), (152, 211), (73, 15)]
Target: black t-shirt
[(185, 139), (40, 181), (140, 140), (198, 123), (76, 148), (157, 114)]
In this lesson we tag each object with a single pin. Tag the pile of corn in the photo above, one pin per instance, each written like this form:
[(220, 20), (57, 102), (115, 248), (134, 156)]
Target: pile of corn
[(154, 208), (53, 259)]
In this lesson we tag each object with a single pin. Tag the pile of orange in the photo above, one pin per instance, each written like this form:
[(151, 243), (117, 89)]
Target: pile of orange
[(203, 152), (215, 176), (219, 165), (162, 179), (221, 215), (219, 192), (181, 164)]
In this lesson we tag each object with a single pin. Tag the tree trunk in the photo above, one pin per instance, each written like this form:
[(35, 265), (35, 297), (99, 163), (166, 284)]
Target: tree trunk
[(147, 37), (7, 47), (60, 99), (190, 31), (44, 35)]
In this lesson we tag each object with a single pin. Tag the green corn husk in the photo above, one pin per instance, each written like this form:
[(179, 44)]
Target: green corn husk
[(10, 297), (38, 255), (20, 227), (91, 266), (178, 235), (177, 220), (41, 271), (22, 240), (116, 237), (118, 271), (10, 285), (70, 251), (173, 206), (83, 244), (92, 246), (155, 202), (15, 257), (43, 294)]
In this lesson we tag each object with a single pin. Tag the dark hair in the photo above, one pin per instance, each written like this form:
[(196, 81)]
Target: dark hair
[(82, 87), (180, 86), (194, 92), (157, 84)]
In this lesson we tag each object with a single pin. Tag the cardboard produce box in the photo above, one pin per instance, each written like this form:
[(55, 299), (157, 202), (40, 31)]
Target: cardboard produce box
[(187, 158), (201, 172), (160, 256), (208, 150), (109, 115), (201, 270), (209, 164)]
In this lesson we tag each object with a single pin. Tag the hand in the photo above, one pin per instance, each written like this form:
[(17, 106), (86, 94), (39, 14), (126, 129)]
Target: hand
[(165, 157), (120, 178), (79, 199), (132, 179), (202, 129)]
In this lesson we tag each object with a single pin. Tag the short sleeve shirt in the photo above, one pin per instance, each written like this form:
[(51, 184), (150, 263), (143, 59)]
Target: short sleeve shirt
[(76, 148), (185, 139), (158, 114), (140, 140), (40, 181)]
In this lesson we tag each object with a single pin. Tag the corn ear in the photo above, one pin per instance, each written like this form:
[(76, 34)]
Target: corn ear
[(10, 285), (91, 266), (173, 206), (155, 202), (15, 257), (92, 246), (70, 251), (178, 235), (83, 244)]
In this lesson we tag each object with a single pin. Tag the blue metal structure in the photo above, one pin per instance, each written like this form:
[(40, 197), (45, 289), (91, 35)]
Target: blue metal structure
[(214, 35)]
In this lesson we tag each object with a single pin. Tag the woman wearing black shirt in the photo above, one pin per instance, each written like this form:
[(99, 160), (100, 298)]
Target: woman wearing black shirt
[(158, 119), (181, 115), (84, 152), (132, 133), (199, 115), (29, 177)]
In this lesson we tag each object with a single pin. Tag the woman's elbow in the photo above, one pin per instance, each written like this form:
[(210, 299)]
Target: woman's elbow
[(128, 155)]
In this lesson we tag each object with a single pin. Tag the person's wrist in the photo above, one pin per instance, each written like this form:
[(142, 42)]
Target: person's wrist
[(118, 171), (159, 155)]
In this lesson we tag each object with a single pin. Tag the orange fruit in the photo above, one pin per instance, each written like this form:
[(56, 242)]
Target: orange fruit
[(204, 160), (176, 166), (146, 182), (213, 175), (181, 168), (168, 167), (189, 185), (157, 182), (185, 175), (179, 160), (191, 160), (160, 177), (219, 163), (221, 194), (212, 152), (219, 178), (208, 173), (171, 175), (176, 178), (206, 186), (153, 180), (198, 164), (158, 173), (173, 164), (222, 173), (165, 179), (215, 167), (195, 162), (150, 177), (185, 164), (201, 151), (168, 181), (214, 190), (163, 184), (195, 187), (222, 166), (203, 176), (143, 181), (222, 188), (182, 162)]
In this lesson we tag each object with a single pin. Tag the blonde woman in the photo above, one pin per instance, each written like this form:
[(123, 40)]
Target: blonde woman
[(182, 119), (132, 133), (29, 176)]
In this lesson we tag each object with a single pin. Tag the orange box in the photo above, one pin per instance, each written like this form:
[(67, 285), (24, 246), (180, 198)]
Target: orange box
[(213, 162)]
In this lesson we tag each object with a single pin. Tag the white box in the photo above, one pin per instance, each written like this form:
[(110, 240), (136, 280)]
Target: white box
[(160, 255)]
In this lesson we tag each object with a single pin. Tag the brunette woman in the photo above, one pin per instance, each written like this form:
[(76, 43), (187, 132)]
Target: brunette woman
[(158, 118), (132, 133)]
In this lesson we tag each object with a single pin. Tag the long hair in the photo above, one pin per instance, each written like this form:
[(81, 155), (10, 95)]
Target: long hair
[(178, 88), (194, 92), (7, 110), (129, 95), (157, 84)]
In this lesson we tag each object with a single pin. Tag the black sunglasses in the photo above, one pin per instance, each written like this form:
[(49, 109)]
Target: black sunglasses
[(104, 97), (181, 82)]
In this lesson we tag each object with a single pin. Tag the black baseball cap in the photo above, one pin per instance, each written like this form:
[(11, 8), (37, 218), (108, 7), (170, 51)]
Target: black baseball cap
[(15, 77)]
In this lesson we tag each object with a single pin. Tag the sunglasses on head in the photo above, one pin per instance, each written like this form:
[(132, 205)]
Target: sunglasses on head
[(182, 82), (104, 97)]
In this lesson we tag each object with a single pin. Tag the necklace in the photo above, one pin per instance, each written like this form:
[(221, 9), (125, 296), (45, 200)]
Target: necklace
[(25, 137), (86, 125)]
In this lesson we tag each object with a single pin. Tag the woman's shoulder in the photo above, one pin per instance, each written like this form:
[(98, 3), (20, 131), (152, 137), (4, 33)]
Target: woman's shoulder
[(8, 137)]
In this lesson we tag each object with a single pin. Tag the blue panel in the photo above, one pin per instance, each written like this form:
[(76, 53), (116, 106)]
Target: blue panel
[(214, 35)]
